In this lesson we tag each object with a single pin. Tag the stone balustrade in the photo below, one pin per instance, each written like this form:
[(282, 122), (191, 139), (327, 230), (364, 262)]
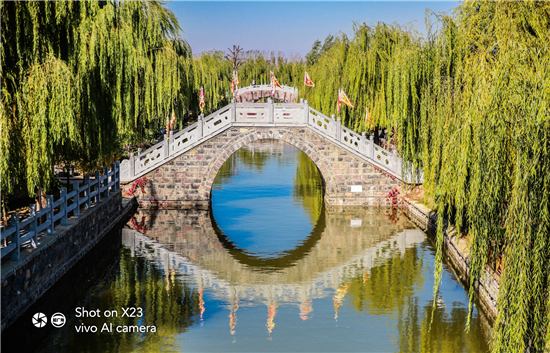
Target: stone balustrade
[(266, 115)]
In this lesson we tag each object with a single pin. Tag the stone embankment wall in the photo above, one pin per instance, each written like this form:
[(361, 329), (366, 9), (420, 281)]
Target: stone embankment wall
[(186, 181), (24, 281), (457, 251)]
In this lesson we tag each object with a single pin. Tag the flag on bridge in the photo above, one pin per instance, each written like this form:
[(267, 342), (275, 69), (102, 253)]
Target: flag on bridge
[(173, 121), (235, 82), (236, 79), (343, 98), (274, 83), (369, 119), (308, 82), (201, 99), (167, 127)]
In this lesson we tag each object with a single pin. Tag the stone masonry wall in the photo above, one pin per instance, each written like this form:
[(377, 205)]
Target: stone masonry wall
[(186, 181), (24, 281), (457, 251)]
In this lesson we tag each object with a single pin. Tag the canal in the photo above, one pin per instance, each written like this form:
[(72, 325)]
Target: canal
[(267, 268)]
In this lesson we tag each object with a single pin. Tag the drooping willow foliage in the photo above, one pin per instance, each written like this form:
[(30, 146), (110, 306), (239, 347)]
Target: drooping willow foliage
[(471, 104), (214, 73), (79, 78)]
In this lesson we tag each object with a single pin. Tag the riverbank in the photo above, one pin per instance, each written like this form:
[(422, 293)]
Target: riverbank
[(457, 250), (26, 280)]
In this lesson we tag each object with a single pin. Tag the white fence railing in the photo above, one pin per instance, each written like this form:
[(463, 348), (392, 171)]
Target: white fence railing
[(266, 87), (265, 114), (21, 233)]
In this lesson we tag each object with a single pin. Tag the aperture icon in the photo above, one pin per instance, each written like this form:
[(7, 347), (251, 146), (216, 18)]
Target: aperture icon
[(39, 320)]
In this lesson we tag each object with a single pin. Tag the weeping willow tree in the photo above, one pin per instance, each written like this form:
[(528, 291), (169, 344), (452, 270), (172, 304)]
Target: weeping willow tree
[(470, 104), (79, 78), (214, 73), (374, 68), (489, 113)]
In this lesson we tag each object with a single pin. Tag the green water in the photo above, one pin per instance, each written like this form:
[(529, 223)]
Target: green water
[(268, 268)]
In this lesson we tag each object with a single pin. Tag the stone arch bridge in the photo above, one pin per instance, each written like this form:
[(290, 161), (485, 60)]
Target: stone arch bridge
[(180, 170)]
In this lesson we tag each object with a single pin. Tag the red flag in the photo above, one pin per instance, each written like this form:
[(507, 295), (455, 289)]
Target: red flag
[(167, 126), (369, 120), (201, 99), (308, 81), (173, 121), (343, 98), (274, 83)]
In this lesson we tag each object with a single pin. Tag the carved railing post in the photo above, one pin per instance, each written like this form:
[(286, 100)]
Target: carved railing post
[(16, 254), (34, 240), (63, 206), (306, 112), (76, 199), (364, 142), (132, 165), (98, 185), (138, 161), (371, 139), (233, 110), (270, 112), (88, 190), (200, 124), (339, 129), (171, 139), (117, 175), (113, 178), (166, 146), (106, 174), (49, 214)]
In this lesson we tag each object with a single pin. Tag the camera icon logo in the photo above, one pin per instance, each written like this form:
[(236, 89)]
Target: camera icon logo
[(39, 320), (58, 320)]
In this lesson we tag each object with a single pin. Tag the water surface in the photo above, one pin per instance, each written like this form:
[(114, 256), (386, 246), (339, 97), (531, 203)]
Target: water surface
[(268, 268)]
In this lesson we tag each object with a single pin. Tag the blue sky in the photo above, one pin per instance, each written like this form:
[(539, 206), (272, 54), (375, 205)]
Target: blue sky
[(288, 26)]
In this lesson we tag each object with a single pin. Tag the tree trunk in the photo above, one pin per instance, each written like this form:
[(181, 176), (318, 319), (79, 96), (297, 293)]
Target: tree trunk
[(377, 136), (40, 198), (4, 213)]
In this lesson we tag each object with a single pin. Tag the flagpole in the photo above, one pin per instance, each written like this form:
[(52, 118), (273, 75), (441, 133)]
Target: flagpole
[(304, 96)]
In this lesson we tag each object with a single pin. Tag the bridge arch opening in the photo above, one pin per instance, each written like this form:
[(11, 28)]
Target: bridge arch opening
[(323, 168), (266, 202)]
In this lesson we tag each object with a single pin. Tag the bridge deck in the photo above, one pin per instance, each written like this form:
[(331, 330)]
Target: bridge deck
[(265, 115)]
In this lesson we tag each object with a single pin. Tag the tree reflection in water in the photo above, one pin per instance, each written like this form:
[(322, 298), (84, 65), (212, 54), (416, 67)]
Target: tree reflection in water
[(168, 303), (393, 287)]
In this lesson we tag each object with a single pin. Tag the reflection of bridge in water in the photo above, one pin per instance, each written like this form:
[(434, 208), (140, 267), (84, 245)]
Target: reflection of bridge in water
[(343, 245)]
